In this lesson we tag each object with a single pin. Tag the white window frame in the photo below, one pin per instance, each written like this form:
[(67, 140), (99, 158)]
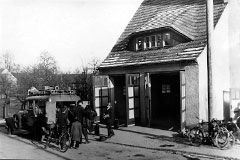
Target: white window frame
[(152, 41), (162, 43), (145, 42), (164, 39), (137, 48)]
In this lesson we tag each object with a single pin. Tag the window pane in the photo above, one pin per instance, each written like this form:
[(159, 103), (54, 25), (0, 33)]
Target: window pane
[(97, 91), (105, 81), (139, 44), (131, 103), (166, 39), (153, 41), (100, 81), (97, 102), (104, 101), (147, 42), (131, 114), (133, 79), (166, 88), (104, 91), (130, 92), (136, 91), (159, 40)]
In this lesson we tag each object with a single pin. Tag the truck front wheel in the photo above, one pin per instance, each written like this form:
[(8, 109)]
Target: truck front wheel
[(17, 120)]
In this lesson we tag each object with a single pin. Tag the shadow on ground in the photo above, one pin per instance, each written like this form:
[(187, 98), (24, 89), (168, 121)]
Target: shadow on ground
[(175, 137)]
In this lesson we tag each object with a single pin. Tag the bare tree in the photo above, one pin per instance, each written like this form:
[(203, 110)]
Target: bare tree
[(83, 82), (38, 75), (7, 62), (94, 63), (47, 69)]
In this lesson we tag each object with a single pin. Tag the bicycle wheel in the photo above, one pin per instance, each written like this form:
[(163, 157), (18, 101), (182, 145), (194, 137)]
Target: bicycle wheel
[(64, 142), (196, 136), (230, 141), (48, 141), (221, 139)]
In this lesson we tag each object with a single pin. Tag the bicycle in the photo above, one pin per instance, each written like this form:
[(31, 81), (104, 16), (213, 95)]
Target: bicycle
[(211, 133), (234, 130), (62, 141)]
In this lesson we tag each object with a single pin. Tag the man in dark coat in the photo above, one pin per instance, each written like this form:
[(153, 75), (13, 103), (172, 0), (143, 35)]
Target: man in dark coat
[(108, 117), (40, 125), (71, 115), (10, 124), (81, 116), (90, 116), (63, 122)]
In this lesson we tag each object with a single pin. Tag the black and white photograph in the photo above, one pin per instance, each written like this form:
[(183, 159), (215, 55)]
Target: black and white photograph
[(120, 79)]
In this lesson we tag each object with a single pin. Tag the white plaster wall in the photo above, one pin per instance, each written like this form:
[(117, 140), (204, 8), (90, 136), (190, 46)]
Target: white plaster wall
[(220, 68), (234, 48), (220, 63), (203, 90), (234, 41)]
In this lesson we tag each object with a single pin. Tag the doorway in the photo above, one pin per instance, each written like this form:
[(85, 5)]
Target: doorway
[(120, 99), (165, 104)]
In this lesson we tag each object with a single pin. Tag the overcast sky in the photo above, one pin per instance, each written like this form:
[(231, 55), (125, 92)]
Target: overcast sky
[(72, 31)]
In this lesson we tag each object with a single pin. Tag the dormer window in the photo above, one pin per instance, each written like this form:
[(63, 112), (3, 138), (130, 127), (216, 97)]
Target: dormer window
[(156, 40), (153, 41)]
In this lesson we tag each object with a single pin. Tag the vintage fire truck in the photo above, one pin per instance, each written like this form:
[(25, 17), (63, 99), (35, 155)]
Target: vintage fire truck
[(48, 100)]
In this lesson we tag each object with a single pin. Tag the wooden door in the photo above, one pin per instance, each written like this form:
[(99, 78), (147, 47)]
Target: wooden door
[(133, 98), (183, 99), (101, 94)]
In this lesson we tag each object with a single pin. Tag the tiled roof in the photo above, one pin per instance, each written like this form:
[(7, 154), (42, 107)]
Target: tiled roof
[(188, 17)]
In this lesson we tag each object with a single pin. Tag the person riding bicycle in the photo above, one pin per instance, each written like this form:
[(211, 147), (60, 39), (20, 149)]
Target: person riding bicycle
[(63, 122)]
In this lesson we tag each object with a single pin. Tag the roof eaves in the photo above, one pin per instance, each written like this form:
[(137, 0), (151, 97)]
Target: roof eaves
[(186, 59)]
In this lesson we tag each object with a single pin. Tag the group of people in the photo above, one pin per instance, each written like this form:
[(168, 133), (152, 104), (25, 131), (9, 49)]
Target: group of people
[(79, 125), (81, 121), (78, 121)]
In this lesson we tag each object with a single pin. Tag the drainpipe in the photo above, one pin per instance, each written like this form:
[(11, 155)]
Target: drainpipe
[(210, 27)]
